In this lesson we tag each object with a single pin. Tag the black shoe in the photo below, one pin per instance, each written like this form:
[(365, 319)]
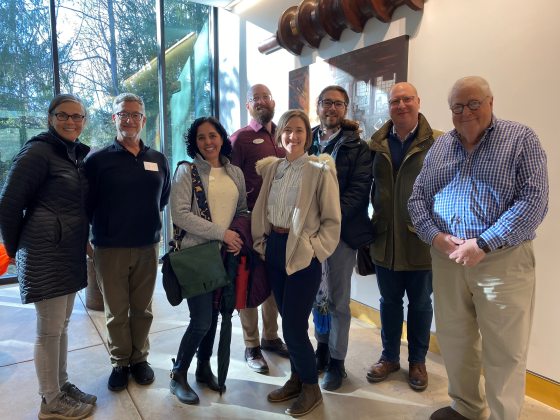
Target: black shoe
[(334, 375), (204, 375), (181, 388), (276, 346), (255, 359), (118, 379), (322, 356), (142, 373)]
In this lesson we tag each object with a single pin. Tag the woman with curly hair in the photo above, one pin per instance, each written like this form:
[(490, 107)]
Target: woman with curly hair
[(224, 187)]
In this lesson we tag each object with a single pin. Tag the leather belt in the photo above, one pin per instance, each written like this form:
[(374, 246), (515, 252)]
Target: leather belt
[(281, 230)]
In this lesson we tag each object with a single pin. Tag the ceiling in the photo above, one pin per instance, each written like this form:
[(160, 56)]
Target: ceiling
[(263, 13)]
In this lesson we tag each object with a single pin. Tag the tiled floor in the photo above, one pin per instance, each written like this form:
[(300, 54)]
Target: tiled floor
[(246, 391)]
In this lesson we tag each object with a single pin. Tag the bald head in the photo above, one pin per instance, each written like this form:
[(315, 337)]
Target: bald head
[(404, 106), (257, 89), (472, 83), (403, 86)]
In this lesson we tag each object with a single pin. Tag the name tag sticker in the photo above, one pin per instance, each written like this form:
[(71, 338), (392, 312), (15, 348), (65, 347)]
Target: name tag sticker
[(151, 166), (258, 141)]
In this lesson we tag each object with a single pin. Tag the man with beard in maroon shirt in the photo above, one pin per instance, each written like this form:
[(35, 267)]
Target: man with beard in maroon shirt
[(250, 144)]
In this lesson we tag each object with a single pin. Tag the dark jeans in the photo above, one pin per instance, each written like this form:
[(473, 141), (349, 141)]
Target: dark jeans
[(294, 296), (200, 333), (418, 288)]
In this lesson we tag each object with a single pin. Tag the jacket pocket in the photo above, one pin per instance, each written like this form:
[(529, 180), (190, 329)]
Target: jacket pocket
[(379, 247)]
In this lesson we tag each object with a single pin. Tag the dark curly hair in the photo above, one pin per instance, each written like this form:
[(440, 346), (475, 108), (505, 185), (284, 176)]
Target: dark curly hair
[(190, 137)]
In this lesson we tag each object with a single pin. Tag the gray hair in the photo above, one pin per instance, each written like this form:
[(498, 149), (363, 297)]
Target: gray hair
[(127, 97), (62, 98), (477, 81)]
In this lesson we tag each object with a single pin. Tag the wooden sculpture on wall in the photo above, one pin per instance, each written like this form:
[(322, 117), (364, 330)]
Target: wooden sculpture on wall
[(308, 23)]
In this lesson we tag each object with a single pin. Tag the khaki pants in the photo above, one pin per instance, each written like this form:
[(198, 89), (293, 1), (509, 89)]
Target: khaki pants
[(250, 322), (126, 277), (483, 322)]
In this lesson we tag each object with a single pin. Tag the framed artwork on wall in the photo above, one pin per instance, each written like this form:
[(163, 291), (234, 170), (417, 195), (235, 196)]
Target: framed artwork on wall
[(367, 74)]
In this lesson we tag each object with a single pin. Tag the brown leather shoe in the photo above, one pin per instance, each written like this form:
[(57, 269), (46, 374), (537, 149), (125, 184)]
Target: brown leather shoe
[(417, 376), (276, 346), (255, 360), (380, 370), (289, 390), (447, 413), (309, 398)]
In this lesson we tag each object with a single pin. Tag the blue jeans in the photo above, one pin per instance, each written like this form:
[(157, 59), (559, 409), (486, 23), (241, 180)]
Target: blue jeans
[(200, 333), (294, 296), (418, 288)]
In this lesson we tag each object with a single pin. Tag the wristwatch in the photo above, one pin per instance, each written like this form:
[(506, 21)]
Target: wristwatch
[(481, 243)]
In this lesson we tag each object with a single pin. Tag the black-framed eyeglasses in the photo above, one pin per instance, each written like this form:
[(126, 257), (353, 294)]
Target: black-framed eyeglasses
[(63, 116), (258, 98), (134, 116), (407, 100), (327, 103), (473, 105)]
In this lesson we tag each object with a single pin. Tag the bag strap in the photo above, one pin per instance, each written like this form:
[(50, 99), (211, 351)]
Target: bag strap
[(198, 192)]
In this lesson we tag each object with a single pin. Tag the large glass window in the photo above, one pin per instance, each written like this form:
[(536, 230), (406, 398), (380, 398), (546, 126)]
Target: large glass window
[(105, 47), (108, 47), (26, 76)]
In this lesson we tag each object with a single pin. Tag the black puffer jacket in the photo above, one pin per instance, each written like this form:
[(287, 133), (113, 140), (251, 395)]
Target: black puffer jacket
[(354, 172), (43, 217)]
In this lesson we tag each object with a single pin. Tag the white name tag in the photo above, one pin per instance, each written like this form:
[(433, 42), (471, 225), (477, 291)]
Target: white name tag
[(258, 141), (151, 166)]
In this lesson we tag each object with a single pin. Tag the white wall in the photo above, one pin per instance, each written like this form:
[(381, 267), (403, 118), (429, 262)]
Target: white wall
[(516, 47), (241, 68)]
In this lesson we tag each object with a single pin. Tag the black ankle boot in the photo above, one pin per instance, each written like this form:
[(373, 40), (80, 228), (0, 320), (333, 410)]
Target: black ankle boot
[(334, 375), (322, 356), (204, 375), (181, 388)]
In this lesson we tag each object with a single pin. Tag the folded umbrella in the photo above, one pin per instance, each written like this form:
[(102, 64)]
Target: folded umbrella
[(226, 307)]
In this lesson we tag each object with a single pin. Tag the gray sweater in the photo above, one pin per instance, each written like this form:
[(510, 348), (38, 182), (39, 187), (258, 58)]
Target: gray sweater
[(184, 208)]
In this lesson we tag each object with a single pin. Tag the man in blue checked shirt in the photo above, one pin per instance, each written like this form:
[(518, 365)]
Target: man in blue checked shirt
[(481, 194)]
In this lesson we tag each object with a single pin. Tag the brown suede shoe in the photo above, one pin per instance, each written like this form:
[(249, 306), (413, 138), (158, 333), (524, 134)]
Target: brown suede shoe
[(291, 389), (255, 360), (447, 413), (380, 370), (309, 398), (417, 376)]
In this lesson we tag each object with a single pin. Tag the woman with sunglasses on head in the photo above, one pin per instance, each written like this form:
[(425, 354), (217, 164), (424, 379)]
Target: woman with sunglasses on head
[(45, 227), (296, 225), (223, 187)]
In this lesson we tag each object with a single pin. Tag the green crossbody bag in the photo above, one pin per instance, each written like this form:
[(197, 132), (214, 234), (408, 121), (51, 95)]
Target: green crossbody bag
[(199, 269)]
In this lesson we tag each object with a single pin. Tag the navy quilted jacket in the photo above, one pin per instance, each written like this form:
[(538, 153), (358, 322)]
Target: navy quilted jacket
[(43, 217)]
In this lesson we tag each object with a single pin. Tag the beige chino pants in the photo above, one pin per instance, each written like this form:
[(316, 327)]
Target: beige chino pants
[(483, 322), (250, 322)]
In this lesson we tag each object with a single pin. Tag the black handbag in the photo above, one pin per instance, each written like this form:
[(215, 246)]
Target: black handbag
[(195, 270)]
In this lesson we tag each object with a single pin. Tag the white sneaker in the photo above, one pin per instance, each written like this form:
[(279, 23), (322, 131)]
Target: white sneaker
[(64, 407)]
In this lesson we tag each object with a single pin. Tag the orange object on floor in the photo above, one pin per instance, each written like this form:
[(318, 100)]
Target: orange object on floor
[(4, 260), (241, 284)]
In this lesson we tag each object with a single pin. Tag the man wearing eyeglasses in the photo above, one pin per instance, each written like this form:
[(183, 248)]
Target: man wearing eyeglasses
[(482, 192), (129, 187), (250, 144), (340, 138), (402, 260)]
